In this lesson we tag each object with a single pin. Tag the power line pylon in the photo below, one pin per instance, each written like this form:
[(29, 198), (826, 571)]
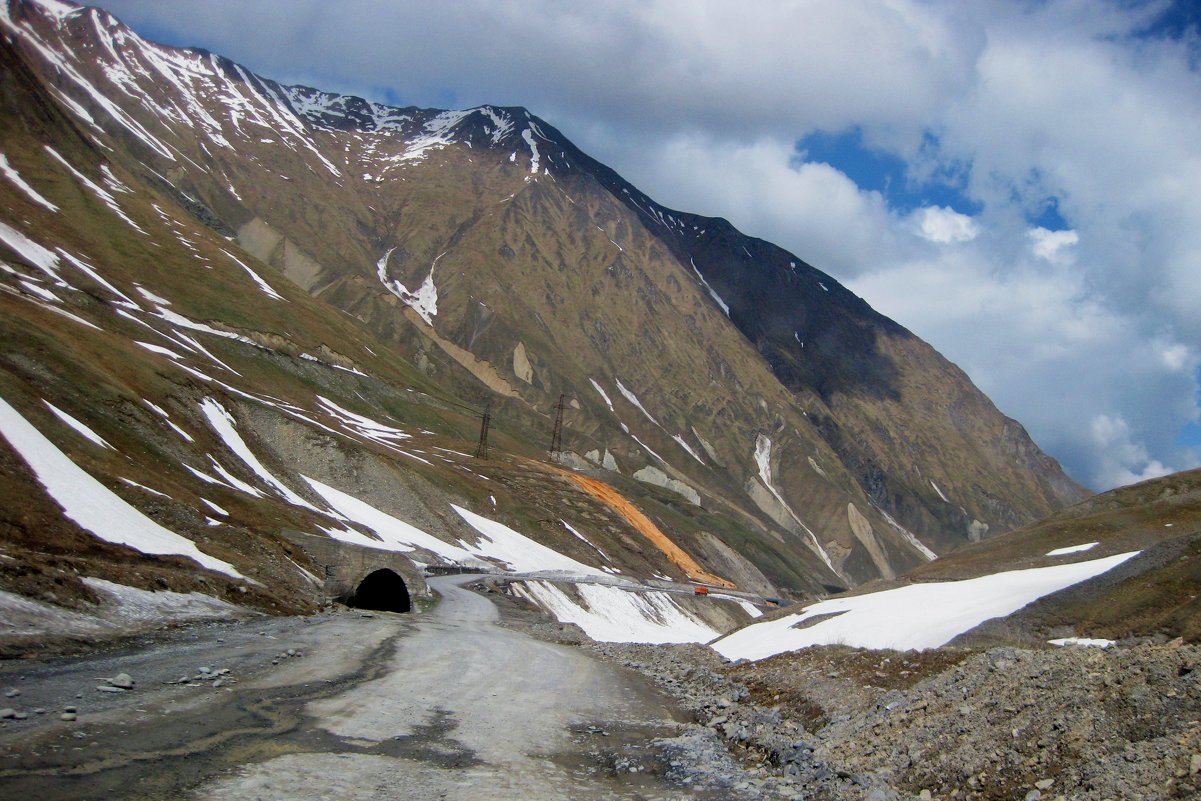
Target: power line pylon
[(481, 450), (556, 437)]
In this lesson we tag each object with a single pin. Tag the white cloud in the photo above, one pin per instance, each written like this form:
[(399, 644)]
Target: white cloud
[(1177, 358), (1050, 245), (1122, 460), (758, 187), (942, 225), (1049, 352)]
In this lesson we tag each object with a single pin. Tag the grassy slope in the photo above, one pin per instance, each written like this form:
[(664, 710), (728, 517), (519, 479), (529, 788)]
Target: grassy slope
[(103, 378), (1158, 592)]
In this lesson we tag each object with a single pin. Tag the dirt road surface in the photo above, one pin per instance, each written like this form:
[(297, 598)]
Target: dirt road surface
[(349, 706)]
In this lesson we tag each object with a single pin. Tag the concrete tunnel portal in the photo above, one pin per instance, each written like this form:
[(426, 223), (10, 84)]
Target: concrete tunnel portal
[(382, 590), (361, 577)]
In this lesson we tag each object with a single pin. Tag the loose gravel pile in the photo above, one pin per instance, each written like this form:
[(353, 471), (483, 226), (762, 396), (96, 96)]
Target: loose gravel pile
[(1006, 723)]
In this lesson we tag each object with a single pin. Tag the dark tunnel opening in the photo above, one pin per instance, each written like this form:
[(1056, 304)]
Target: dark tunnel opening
[(383, 591)]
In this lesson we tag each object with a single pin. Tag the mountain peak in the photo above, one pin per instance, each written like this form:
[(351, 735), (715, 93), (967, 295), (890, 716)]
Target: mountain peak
[(767, 417)]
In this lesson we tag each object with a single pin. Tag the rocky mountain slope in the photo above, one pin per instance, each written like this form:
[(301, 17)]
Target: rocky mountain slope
[(189, 249), (838, 724)]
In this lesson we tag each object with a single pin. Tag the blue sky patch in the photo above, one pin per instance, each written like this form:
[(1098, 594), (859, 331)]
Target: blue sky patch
[(1048, 217), (1190, 436), (883, 172)]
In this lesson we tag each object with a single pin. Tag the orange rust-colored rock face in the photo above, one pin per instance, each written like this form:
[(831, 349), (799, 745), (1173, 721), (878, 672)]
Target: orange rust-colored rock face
[(618, 503)]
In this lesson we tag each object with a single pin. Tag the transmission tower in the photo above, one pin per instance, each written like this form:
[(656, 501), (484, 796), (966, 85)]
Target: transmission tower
[(556, 437), (481, 450)]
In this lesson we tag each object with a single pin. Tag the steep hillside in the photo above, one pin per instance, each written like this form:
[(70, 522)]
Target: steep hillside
[(184, 242), (1158, 593)]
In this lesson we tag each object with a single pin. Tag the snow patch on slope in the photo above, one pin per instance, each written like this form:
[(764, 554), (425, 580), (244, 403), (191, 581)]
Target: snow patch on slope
[(712, 293), (528, 136), (1072, 549), (602, 393), (363, 426), (32, 252), (105, 197), (424, 301), (610, 614), (522, 554), (914, 617), (439, 132), (78, 426), (91, 504), (632, 398), (258, 279), (15, 177), (763, 460), (394, 534), (223, 423), (687, 447), (502, 122)]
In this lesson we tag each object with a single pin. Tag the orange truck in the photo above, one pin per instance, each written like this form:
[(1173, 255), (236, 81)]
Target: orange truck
[(700, 590)]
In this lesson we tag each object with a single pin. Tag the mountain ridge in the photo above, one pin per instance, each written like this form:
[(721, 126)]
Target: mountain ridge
[(505, 266)]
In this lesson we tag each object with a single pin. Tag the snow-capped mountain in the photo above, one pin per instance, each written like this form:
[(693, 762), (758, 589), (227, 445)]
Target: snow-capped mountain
[(184, 243)]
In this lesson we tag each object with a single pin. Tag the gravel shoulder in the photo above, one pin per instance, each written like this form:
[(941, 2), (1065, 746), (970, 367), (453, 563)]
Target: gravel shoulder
[(838, 724), (1004, 723)]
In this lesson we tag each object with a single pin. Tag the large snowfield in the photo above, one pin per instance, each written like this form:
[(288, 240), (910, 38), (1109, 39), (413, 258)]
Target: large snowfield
[(913, 617)]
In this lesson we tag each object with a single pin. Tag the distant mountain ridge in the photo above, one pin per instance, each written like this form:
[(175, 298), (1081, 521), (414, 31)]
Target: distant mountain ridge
[(764, 416)]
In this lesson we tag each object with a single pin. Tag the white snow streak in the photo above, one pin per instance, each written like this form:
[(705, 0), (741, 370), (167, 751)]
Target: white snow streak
[(713, 294), (528, 136), (91, 504), (577, 535), (394, 534), (15, 177), (424, 301), (144, 488), (1072, 549), (258, 279), (763, 459), (223, 423), (522, 554), (31, 251), (79, 427), (632, 398), (99, 191), (603, 394), (687, 447)]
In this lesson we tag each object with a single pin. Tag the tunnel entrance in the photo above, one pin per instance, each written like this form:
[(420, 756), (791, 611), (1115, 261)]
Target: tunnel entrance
[(383, 591)]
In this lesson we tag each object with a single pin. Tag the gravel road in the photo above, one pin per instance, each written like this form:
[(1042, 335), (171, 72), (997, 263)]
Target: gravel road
[(346, 706)]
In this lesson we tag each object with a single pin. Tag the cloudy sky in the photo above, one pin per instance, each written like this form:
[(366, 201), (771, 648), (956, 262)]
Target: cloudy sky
[(1017, 182)]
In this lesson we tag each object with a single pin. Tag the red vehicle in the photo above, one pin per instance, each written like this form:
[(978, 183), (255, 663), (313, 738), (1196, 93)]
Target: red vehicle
[(700, 590)]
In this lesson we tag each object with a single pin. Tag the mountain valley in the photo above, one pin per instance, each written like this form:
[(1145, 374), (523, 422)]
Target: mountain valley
[(270, 352)]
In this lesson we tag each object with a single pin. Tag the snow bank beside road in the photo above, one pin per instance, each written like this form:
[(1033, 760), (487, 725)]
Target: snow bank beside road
[(123, 610), (609, 614)]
